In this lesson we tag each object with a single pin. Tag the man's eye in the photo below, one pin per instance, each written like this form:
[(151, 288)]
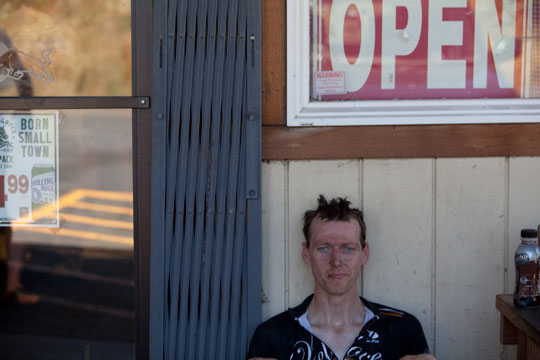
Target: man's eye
[(348, 249), (323, 249)]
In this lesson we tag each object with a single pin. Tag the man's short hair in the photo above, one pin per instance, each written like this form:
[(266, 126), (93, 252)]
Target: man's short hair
[(337, 209)]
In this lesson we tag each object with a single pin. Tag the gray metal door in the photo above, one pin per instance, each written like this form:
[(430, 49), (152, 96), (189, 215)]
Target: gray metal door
[(205, 247)]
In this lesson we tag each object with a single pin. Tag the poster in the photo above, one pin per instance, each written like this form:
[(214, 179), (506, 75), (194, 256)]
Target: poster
[(420, 49), (29, 169)]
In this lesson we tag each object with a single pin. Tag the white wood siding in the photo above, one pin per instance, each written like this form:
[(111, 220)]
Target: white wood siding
[(442, 234), (470, 232), (398, 210)]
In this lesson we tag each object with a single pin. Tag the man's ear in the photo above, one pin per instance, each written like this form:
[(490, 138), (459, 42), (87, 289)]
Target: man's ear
[(365, 254), (305, 253)]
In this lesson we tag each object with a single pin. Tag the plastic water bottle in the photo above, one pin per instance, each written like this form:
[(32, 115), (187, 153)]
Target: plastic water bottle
[(527, 260)]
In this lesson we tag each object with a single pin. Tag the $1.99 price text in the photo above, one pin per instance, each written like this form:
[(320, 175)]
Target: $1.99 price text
[(14, 184)]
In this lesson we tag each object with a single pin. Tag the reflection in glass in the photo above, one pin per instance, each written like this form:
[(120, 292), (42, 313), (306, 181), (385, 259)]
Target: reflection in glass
[(58, 48), (68, 292)]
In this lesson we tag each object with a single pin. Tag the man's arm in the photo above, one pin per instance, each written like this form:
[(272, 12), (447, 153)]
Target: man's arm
[(418, 357)]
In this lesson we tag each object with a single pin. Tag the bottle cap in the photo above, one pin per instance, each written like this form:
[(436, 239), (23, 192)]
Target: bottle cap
[(529, 233)]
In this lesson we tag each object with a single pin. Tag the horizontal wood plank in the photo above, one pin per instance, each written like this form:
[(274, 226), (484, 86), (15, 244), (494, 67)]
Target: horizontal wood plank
[(349, 142)]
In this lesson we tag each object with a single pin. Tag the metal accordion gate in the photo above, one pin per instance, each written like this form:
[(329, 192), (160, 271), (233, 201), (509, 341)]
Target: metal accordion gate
[(206, 133)]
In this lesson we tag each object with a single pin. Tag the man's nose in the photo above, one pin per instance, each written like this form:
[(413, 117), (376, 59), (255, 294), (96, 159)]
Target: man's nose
[(336, 258)]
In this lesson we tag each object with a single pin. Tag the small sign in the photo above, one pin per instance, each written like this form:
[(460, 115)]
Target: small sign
[(29, 169), (330, 82)]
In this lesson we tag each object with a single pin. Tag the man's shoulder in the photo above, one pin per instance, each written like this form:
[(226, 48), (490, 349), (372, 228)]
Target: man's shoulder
[(273, 337), (282, 317), (403, 328), (284, 323), (277, 324), (390, 313)]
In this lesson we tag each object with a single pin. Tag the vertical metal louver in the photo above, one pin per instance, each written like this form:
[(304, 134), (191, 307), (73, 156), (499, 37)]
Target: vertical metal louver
[(205, 276)]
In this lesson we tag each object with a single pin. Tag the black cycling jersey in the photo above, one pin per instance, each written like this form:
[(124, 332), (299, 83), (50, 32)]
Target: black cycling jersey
[(390, 334)]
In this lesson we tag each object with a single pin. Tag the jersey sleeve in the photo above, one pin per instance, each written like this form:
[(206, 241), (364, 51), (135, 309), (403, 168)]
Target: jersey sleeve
[(413, 340), (267, 343)]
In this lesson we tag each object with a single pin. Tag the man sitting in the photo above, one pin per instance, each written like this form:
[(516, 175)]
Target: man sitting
[(334, 322)]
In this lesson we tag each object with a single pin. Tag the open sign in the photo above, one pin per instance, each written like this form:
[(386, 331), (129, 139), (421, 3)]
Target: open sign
[(420, 49)]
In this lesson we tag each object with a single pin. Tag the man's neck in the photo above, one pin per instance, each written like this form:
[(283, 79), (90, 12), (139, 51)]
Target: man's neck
[(331, 310), (336, 320)]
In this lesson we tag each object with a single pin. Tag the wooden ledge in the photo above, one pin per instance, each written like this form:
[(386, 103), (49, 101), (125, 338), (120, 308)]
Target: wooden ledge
[(404, 141), (526, 320)]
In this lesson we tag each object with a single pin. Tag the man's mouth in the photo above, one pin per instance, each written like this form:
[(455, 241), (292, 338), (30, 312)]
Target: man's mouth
[(337, 275)]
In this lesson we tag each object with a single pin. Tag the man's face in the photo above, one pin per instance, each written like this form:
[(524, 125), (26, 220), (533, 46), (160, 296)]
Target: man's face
[(335, 255)]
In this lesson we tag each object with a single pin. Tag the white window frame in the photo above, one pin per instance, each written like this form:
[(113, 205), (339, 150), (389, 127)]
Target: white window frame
[(303, 112)]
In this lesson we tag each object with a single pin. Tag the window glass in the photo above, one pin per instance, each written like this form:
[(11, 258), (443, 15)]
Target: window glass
[(68, 291), (65, 48), (407, 50)]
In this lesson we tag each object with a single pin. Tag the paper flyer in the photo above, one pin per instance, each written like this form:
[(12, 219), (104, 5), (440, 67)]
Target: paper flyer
[(29, 169)]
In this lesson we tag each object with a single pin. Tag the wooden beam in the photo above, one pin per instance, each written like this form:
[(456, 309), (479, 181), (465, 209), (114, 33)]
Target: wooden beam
[(351, 142)]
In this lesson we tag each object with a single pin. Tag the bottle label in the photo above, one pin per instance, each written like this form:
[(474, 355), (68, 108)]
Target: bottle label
[(527, 280)]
